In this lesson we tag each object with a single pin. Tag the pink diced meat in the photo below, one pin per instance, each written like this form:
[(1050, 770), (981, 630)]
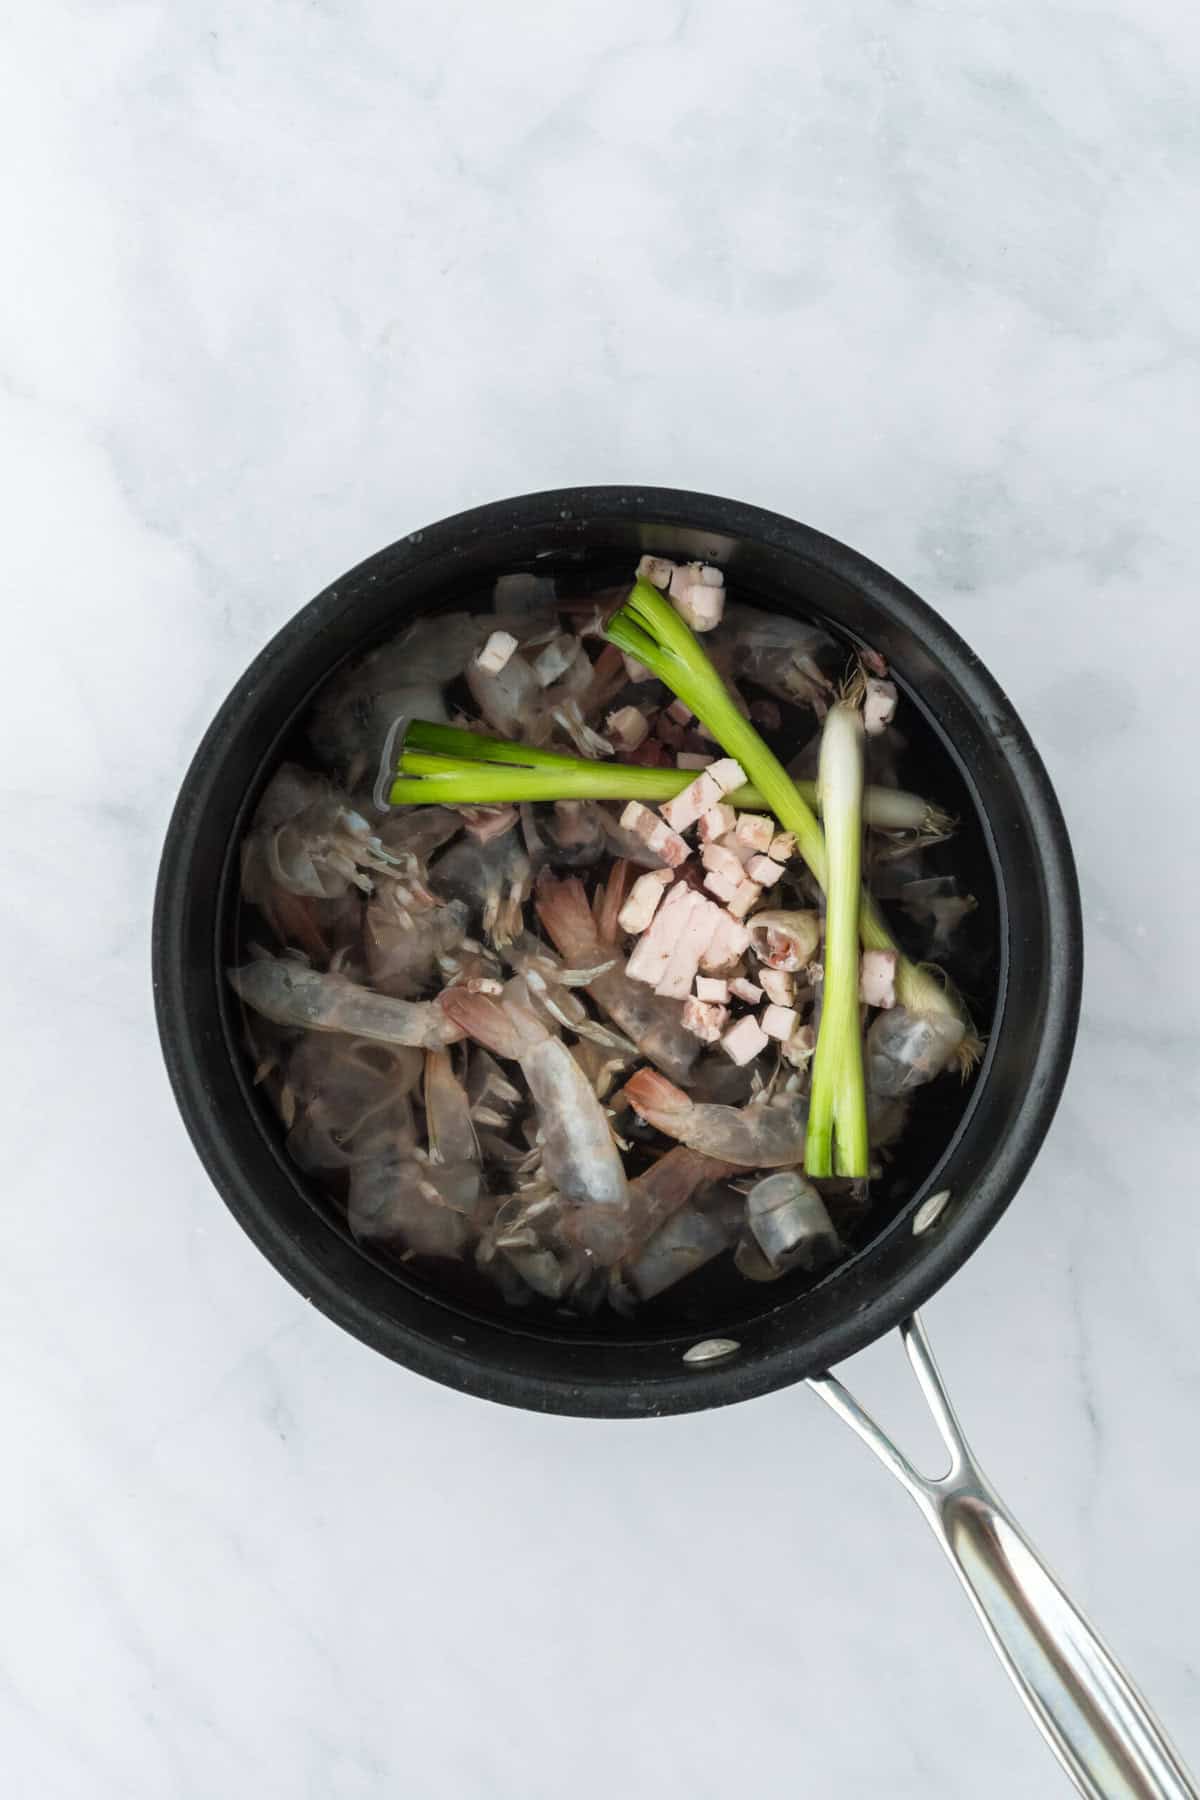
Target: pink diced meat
[(729, 940), (720, 861), (735, 847), (783, 845), (654, 833), (778, 1022), (741, 989), (727, 774), (748, 894), (638, 818), (764, 870), (657, 570), (692, 803), (703, 1020), (755, 830), (701, 607), (692, 937), (743, 1041), (556, 658), (628, 727), (721, 886), (877, 978), (680, 712), (635, 670), (669, 845), (496, 652), (716, 822), (650, 955), (708, 987), (698, 595), (777, 985), (642, 901)]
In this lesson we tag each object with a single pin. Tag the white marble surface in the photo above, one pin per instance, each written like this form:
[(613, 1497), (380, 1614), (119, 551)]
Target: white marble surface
[(287, 281)]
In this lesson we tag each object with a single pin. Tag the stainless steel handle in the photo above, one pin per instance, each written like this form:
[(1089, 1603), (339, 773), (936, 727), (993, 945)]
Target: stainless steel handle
[(1086, 1707)]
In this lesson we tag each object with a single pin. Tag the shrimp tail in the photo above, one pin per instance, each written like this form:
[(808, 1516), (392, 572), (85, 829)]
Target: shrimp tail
[(506, 1030), (616, 891), (293, 919), (562, 907), (656, 1099)]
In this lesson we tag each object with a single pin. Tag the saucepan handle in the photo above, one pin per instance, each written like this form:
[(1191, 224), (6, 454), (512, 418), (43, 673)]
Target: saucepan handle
[(1098, 1725)]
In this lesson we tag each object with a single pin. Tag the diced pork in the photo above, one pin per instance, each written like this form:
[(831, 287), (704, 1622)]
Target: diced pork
[(877, 978), (777, 985), (779, 1022), (743, 989), (729, 941), (755, 830), (657, 570), (721, 861), (496, 652), (698, 596), (765, 870), (748, 895), (655, 833), (692, 938), (710, 987), (695, 800), (643, 900), (627, 727), (743, 1041), (704, 1020), (716, 822), (727, 774), (721, 885), (554, 661), (650, 955)]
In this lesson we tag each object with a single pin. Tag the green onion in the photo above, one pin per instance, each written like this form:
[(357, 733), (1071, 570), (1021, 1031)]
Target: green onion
[(836, 1139), (649, 628), (474, 747), (443, 781), (889, 809)]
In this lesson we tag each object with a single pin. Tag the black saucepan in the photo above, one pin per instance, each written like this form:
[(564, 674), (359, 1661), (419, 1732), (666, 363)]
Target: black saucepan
[(1023, 874), (715, 1345)]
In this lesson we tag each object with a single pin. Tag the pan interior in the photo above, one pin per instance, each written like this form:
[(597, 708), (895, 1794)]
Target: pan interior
[(717, 1301)]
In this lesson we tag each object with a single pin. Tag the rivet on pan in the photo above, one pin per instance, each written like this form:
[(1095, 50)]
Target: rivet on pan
[(711, 1350), (929, 1211)]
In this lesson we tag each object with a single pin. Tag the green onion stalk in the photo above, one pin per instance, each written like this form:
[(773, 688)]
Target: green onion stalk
[(836, 1138), (488, 770), (648, 627)]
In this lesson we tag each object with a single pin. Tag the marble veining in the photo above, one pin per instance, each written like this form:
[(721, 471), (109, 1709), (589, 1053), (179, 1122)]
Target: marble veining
[(287, 282)]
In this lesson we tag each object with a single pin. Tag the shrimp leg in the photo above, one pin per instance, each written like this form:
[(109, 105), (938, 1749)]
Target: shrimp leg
[(580, 1161), (453, 1145)]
